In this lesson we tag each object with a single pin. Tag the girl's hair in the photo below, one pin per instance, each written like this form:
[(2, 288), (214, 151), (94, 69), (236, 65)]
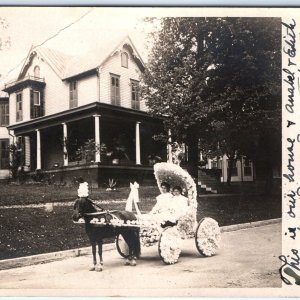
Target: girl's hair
[(166, 185), (178, 188)]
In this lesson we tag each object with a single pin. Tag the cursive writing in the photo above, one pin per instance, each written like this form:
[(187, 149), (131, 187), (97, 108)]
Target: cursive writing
[(290, 165), (290, 39), (291, 90), (290, 268), (292, 202)]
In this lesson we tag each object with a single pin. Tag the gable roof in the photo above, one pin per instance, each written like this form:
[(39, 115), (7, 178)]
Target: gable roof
[(97, 57), (56, 59), (67, 67)]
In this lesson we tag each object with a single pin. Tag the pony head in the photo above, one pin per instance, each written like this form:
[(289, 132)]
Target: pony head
[(82, 206)]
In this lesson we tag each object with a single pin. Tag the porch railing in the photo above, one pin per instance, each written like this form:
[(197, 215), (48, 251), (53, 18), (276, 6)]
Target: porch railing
[(28, 77)]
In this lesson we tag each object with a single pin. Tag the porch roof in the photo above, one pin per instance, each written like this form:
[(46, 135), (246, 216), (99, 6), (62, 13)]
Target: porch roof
[(81, 112)]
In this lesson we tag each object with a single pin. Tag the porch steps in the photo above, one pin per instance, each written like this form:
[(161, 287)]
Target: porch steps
[(208, 184)]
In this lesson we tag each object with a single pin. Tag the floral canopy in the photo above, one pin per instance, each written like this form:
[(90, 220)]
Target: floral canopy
[(175, 175)]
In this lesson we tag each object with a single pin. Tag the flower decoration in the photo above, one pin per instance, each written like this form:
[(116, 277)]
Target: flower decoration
[(83, 190), (208, 237), (170, 245)]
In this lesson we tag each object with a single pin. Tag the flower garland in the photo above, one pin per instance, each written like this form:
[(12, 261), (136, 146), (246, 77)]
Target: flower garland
[(170, 245), (208, 237)]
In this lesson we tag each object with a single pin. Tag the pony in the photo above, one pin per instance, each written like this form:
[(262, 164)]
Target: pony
[(83, 207)]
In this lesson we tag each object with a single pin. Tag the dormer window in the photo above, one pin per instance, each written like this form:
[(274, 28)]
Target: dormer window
[(124, 60), (36, 72)]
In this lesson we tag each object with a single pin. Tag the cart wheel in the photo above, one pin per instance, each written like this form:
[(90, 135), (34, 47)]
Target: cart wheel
[(122, 246), (169, 245), (208, 237)]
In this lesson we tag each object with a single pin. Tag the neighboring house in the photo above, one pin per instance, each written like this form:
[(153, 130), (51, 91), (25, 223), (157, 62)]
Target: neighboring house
[(83, 116), (5, 139)]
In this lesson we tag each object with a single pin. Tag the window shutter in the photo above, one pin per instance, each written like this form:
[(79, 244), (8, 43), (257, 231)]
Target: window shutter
[(117, 91), (2, 115), (42, 103), (7, 114), (32, 114), (112, 90)]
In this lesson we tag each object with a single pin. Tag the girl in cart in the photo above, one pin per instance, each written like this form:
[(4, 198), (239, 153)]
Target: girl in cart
[(169, 208)]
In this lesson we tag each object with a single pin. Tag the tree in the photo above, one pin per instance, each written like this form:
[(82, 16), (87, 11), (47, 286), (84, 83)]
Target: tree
[(5, 41), (217, 79)]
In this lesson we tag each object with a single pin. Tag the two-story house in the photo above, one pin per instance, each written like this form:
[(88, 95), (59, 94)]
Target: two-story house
[(83, 116), (5, 139)]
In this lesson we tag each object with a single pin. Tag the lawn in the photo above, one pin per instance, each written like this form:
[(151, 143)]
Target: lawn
[(28, 231), (13, 194)]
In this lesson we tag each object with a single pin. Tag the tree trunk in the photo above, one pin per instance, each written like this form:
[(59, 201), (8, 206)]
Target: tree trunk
[(192, 163)]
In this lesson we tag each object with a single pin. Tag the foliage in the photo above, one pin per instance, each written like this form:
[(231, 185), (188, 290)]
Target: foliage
[(5, 41), (89, 149), (217, 79), (16, 162), (112, 183)]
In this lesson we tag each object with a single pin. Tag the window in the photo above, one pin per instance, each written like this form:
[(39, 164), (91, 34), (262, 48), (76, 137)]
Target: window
[(124, 60), (37, 107), (115, 89), (135, 101), (36, 98), (4, 154), (73, 94), (19, 108), (36, 71), (4, 113)]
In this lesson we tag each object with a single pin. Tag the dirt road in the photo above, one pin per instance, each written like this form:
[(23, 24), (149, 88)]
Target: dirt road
[(248, 258)]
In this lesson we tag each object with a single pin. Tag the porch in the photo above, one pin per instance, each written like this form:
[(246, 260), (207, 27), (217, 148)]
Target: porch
[(95, 141)]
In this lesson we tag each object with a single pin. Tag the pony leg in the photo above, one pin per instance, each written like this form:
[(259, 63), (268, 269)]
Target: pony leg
[(99, 267), (93, 267), (132, 246)]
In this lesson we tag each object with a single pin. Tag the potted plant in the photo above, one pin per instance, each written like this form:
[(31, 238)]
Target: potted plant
[(86, 152)]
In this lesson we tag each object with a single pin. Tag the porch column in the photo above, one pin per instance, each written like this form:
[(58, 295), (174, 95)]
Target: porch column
[(169, 146), (137, 144), (224, 168), (97, 138), (65, 138), (38, 150), (27, 153)]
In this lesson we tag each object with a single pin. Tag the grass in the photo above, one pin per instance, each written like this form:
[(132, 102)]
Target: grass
[(13, 194), (29, 231)]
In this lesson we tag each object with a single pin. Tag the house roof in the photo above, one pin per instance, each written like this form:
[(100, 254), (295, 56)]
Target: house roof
[(58, 61), (66, 66), (96, 57)]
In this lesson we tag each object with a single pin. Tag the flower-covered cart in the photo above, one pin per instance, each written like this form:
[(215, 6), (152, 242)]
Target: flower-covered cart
[(206, 233)]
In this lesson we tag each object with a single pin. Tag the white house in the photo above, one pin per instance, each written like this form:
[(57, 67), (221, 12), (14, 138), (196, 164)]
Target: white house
[(60, 104)]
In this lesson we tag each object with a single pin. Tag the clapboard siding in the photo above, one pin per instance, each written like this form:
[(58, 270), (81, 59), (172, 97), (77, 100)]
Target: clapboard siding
[(56, 90), (87, 90), (113, 66)]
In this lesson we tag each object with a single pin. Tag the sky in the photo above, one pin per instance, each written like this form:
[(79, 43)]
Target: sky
[(72, 30)]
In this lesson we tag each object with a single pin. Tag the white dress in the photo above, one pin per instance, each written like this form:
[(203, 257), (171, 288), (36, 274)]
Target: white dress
[(169, 207)]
